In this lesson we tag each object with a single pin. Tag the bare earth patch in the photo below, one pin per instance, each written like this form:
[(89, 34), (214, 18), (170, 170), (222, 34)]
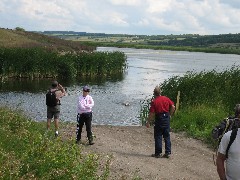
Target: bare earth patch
[(132, 146)]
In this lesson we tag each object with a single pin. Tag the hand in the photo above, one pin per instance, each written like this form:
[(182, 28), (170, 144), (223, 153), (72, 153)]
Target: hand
[(147, 124), (60, 86)]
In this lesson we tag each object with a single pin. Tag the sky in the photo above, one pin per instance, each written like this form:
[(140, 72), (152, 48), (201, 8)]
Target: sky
[(133, 17)]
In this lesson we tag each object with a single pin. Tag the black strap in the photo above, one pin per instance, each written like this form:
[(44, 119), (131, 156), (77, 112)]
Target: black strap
[(232, 138)]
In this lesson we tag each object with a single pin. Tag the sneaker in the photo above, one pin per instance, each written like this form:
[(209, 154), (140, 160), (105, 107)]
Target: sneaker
[(56, 134), (166, 156), (156, 155)]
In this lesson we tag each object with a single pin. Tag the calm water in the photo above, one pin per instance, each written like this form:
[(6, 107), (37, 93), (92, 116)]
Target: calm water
[(147, 68)]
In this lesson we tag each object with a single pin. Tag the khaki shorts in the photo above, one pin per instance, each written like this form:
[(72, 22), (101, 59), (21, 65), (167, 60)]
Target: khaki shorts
[(53, 112)]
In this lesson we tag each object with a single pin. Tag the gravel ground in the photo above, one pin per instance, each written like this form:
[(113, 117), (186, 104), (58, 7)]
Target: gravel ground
[(131, 148)]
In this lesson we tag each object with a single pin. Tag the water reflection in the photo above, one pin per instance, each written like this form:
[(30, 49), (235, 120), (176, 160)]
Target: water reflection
[(147, 68), (41, 85)]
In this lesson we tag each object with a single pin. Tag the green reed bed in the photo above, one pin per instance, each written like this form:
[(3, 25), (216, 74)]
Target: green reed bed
[(40, 63), (101, 63), (205, 99), (27, 151), (207, 87)]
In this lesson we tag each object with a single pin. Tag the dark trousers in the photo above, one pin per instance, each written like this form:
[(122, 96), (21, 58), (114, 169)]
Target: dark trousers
[(162, 130), (84, 118)]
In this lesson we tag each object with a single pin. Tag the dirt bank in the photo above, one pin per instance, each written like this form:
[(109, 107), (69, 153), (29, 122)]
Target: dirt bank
[(131, 148)]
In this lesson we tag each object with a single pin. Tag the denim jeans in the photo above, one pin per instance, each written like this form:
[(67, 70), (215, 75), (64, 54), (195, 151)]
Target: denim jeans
[(162, 130)]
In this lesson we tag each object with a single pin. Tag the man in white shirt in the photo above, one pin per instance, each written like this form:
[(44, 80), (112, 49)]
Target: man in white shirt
[(231, 171), (84, 108)]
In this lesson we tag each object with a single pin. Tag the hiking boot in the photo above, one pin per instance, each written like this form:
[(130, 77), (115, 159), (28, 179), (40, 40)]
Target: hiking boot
[(78, 142), (166, 156), (91, 142), (156, 155)]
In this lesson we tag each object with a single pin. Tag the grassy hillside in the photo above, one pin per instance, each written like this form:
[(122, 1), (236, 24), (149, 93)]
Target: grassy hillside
[(20, 38)]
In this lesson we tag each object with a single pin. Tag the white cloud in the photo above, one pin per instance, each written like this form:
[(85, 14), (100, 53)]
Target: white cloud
[(123, 16), (125, 2), (218, 17), (161, 24), (118, 19), (1, 6), (43, 9), (143, 22), (159, 6), (231, 3)]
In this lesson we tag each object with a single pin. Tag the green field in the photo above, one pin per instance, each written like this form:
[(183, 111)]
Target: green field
[(223, 43)]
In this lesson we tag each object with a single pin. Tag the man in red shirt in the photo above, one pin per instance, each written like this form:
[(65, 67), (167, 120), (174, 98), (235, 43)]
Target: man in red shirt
[(161, 110)]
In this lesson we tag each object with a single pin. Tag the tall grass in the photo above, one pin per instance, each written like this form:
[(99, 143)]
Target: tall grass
[(144, 111), (28, 152), (40, 63), (207, 87), (205, 99), (198, 121)]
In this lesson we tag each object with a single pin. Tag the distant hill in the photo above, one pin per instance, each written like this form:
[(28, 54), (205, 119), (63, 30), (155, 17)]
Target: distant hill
[(194, 40), (19, 38)]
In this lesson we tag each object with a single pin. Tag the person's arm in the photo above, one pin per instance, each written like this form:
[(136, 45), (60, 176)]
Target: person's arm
[(81, 103), (221, 155), (151, 115), (220, 166), (90, 103), (60, 87), (150, 119), (172, 110), (86, 103), (60, 92)]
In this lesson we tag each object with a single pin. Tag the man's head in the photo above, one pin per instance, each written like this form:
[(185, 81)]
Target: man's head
[(157, 91), (86, 89), (54, 84), (237, 110)]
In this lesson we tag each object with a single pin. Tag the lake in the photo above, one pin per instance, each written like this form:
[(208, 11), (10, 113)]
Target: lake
[(146, 69)]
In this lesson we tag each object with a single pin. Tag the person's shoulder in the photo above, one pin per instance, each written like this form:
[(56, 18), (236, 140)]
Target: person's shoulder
[(165, 97), (162, 96), (228, 134), (56, 90), (89, 96), (59, 92), (52, 89)]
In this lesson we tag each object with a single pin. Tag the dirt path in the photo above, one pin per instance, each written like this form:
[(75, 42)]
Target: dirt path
[(131, 148)]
